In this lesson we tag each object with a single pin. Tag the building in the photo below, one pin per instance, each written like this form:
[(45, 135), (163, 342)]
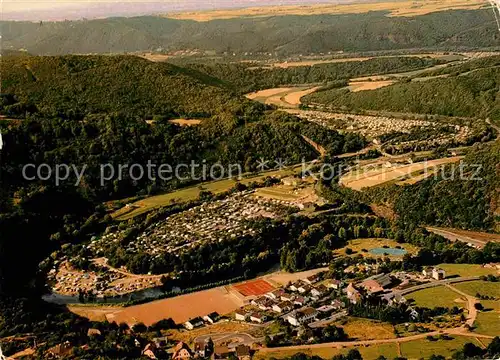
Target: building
[(275, 295), (303, 316), (371, 287), (193, 323), (182, 351), (434, 272), (337, 304), (319, 291), (150, 351), (287, 297), (221, 352), (333, 284), (311, 279), (257, 318), (304, 289), (296, 285), (243, 352), (212, 318), (300, 300), (240, 315), (438, 273), (352, 293), (204, 348), (283, 307)]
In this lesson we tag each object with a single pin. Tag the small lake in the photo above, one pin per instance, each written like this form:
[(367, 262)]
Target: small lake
[(389, 251)]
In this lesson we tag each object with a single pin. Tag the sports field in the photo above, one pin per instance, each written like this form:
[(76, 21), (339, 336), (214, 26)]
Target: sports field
[(254, 287)]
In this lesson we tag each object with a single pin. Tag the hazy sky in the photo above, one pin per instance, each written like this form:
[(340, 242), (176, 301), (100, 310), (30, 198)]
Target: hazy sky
[(77, 9)]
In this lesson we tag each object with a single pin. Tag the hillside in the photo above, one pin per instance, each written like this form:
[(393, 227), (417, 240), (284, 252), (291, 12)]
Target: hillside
[(284, 35), (80, 85), (471, 95)]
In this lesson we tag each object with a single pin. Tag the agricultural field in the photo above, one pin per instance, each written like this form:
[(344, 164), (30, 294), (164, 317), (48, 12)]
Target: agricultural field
[(424, 348), (285, 97), (467, 270), (356, 86), (488, 320), (186, 122), (395, 8), (357, 180), (484, 288), (358, 245), (439, 296)]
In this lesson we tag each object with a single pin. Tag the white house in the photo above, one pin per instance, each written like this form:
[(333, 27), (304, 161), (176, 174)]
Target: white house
[(240, 315), (303, 316), (193, 323), (283, 307)]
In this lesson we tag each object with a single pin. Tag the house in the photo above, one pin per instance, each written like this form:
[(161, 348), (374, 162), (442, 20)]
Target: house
[(296, 285), (434, 272), (337, 304), (287, 297), (371, 286), (240, 315), (300, 300), (352, 293), (283, 307), (193, 323), (311, 279), (182, 351), (212, 318), (304, 289), (275, 295), (221, 352), (93, 332), (414, 315), (333, 284), (204, 348), (257, 318), (267, 305), (319, 291), (243, 352), (303, 316), (149, 351), (438, 273)]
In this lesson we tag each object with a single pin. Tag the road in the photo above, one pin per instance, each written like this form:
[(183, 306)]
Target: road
[(235, 338), (469, 238)]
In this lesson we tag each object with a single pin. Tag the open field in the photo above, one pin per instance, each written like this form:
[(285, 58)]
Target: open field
[(476, 238), (192, 193), (365, 329), (356, 86), (370, 352), (424, 348), (357, 181), (485, 288), (186, 122), (368, 244), (254, 287), (296, 194), (436, 297), (180, 308), (467, 270), (488, 322), (285, 97), (396, 8), (282, 278), (218, 328)]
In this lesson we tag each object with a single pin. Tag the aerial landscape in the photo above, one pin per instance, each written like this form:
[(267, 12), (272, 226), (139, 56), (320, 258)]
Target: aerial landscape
[(295, 180)]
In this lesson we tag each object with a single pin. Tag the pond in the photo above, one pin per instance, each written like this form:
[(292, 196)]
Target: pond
[(389, 251)]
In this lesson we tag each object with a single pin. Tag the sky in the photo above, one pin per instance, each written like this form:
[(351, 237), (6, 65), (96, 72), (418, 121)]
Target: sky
[(78, 9)]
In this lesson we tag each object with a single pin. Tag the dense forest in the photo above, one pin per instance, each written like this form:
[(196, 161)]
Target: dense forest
[(247, 78), (283, 35), (75, 86), (472, 95)]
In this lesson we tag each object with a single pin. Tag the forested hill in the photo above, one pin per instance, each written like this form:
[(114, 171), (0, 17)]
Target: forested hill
[(75, 86), (285, 35)]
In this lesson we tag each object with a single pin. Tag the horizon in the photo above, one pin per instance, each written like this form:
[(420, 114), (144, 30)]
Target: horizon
[(60, 10)]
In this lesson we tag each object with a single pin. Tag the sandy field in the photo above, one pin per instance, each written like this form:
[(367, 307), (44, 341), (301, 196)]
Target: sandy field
[(293, 98), (396, 8), (285, 97), (186, 122), (369, 85), (267, 93), (370, 178), (180, 308)]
